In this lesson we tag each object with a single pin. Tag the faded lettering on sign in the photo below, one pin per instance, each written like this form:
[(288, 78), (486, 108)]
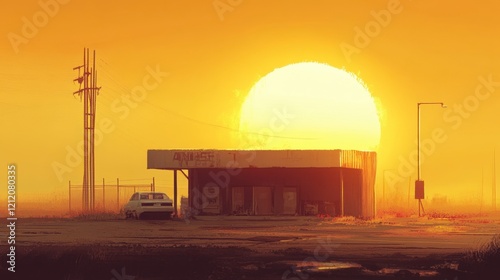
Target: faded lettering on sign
[(195, 159)]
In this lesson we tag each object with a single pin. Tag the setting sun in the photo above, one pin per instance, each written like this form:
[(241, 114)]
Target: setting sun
[(310, 106)]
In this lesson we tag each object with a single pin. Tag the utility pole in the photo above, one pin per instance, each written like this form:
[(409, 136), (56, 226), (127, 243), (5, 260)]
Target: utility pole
[(482, 190), (494, 187), (87, 76)]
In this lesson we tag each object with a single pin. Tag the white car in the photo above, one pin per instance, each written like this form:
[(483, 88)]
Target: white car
[(143, 204)]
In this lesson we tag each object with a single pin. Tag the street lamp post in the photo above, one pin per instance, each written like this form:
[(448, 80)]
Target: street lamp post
[(419, 184)]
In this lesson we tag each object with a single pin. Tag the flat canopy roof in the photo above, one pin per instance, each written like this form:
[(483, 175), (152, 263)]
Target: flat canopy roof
[(189, 159)]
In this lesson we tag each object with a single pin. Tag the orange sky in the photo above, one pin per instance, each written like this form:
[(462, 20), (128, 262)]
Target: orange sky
[(426, 51)]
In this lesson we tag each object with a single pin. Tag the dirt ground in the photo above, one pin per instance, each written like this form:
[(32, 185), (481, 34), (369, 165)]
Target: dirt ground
[(246, 247)]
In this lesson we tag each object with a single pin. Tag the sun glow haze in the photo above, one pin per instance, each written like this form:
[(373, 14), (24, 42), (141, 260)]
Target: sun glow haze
[(310, 106)]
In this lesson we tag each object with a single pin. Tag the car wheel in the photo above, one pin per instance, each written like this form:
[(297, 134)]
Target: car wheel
[(129, 215)]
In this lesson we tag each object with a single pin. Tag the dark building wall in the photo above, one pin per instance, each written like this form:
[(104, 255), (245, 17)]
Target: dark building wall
[(353, 191), (315, 185)]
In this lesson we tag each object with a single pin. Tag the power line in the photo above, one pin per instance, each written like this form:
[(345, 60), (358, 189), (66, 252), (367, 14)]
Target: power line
[(127, 90)]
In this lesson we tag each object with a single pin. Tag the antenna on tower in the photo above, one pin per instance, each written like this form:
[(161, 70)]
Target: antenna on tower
[(87, 76)]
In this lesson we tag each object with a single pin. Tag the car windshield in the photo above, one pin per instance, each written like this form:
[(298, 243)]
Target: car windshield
[(153, 196)]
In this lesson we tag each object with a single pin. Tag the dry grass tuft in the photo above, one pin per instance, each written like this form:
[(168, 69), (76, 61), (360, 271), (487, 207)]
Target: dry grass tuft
[(98, 216), (485, 261)]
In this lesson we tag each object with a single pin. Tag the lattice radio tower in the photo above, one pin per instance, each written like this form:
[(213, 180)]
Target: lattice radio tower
[(87, 77)]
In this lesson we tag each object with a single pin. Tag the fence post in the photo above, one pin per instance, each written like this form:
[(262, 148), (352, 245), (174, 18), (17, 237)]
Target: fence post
[(69, 194), (118, 194), (103, 196)]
